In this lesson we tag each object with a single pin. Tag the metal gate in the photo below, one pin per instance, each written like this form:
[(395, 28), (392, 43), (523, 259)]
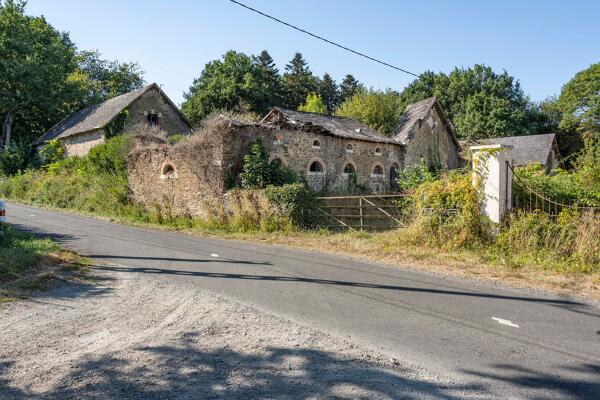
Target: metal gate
[(369, 212)]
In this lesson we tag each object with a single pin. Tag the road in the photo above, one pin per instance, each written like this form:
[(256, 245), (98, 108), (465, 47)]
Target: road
[(511, 343)]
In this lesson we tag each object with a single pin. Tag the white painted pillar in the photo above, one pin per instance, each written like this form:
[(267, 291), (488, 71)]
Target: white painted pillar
[(491, 171)]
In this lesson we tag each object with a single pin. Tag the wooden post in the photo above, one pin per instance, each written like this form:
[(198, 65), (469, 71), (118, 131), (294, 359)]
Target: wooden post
[(360, 208)]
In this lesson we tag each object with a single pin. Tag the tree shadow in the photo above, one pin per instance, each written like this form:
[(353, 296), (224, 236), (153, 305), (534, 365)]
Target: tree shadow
[(277, 278), (560, 384), (59, 238), (187, 370)]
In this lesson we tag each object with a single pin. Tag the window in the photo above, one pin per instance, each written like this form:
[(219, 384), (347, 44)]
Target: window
[(168, 171), (316, 167), (378, 151), (378, 170), (153, 119), (316, 144), (278, 138), (349, 148), (349, 169)]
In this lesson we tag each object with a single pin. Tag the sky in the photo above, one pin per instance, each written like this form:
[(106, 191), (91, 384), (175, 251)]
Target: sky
[(541, 43)]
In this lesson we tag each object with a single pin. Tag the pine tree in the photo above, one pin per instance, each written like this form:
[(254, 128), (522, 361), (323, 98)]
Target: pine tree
[(330, 93), (298, 81), (269, 81), (349, 86)]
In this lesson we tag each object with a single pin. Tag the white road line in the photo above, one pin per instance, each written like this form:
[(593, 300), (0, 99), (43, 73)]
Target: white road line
[(214, 255), (505, 322)]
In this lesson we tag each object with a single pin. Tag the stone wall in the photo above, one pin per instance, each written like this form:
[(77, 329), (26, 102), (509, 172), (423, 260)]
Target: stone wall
[(80, 145), (432, 142), (152, 101)]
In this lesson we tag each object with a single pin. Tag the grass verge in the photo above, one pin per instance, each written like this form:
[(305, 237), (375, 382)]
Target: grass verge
[(28, 264)]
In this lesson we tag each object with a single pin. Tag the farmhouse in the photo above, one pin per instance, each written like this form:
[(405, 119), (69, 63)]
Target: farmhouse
[(530, 149), (84, 129), (428, 135)]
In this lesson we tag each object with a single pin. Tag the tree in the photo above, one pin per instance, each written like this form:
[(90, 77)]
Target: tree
[(35, 62), (330, 93), (269, 82), (348, 87), (298, 81), (230, 83), (313, 104), (579, 101), (381, 110), (99, 80), (480, 102)]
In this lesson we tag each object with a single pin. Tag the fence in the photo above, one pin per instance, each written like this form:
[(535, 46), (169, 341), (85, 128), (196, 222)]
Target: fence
[(529, 200), (369, 212)]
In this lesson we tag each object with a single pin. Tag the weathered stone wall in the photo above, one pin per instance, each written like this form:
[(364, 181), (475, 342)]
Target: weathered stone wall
[(432, 142), (182, 180), (152, 101), (298, 150), (80, 145)]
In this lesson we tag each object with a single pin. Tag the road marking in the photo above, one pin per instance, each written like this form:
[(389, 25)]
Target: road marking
[(505, 322), (214, 255)]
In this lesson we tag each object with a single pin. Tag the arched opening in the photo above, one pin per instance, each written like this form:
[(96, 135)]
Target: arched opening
[(316, 167), (394, 169), (378, 151), (278, 138), (349, 148), (168, 171), (378, 170), (349, 169), (316, 144)]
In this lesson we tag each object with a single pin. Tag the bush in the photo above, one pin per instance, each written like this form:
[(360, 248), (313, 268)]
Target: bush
[(413, 176), (15, 158), (447, 212), (258, 173), (52, 152), (294, 201)]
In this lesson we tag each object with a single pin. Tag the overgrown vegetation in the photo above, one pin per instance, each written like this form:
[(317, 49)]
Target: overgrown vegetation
[(29, 263), (258, 173)]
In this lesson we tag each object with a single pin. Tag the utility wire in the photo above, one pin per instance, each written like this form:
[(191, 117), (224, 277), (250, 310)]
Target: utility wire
[(323, 39)]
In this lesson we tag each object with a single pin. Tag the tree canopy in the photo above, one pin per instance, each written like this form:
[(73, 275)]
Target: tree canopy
[(579, 101), (480, 102), (313, 104), (381, 110), (329, 93), (298, 81)]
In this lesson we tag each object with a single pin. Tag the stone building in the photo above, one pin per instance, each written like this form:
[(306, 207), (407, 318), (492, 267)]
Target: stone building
[(428, 135), (84, 129)]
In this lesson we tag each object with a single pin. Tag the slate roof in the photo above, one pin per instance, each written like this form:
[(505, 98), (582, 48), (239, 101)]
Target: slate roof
[(527, 149), (417, 112), (96, 116), (327, 124)]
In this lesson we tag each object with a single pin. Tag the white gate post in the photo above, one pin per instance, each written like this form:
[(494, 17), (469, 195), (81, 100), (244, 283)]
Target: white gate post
[(491, 171)]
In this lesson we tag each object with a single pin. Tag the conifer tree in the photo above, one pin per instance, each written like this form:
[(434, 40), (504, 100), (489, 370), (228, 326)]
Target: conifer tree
[(298, 81), (330, 93), (349, 86), (269, 81)]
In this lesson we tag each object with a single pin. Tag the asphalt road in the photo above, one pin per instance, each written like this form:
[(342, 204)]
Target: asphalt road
[(513, 344)]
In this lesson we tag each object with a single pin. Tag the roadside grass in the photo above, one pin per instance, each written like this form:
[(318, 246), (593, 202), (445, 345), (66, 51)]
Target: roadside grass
[(28, 264)]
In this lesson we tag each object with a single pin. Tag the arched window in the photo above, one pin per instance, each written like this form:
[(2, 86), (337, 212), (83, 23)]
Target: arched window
[(168, 171), (378, 151), (316, 144), (315, 166), (349, 148), (378, 170), (349, 169), (278, 138)]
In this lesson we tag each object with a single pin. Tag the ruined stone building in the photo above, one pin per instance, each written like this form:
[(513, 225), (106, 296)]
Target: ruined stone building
[(331, 153), (84, 129)]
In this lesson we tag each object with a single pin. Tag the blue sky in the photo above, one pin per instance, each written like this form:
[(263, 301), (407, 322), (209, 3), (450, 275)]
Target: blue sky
[(541, 43)]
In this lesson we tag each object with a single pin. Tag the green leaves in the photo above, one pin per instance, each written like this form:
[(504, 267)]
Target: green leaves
[(257, 172), (579, 101), (313, 104), (381, 110)]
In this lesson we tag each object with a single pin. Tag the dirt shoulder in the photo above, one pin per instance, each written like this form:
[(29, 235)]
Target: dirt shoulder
[(154, 337)]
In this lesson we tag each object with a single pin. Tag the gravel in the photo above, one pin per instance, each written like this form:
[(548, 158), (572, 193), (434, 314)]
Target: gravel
[(149, 336)]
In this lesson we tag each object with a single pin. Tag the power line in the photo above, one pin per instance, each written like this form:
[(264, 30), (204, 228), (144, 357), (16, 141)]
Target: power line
[(323, 39)]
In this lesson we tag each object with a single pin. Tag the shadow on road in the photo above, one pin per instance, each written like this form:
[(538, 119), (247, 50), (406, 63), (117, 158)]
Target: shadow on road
[(585, 387), (275, 278), (186, 370), (172, 259)]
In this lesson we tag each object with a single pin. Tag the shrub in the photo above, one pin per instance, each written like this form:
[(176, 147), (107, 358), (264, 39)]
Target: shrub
[(447, 212), (52, 152), (257, 172), (295, 201), (15, 158), (414, 175)]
